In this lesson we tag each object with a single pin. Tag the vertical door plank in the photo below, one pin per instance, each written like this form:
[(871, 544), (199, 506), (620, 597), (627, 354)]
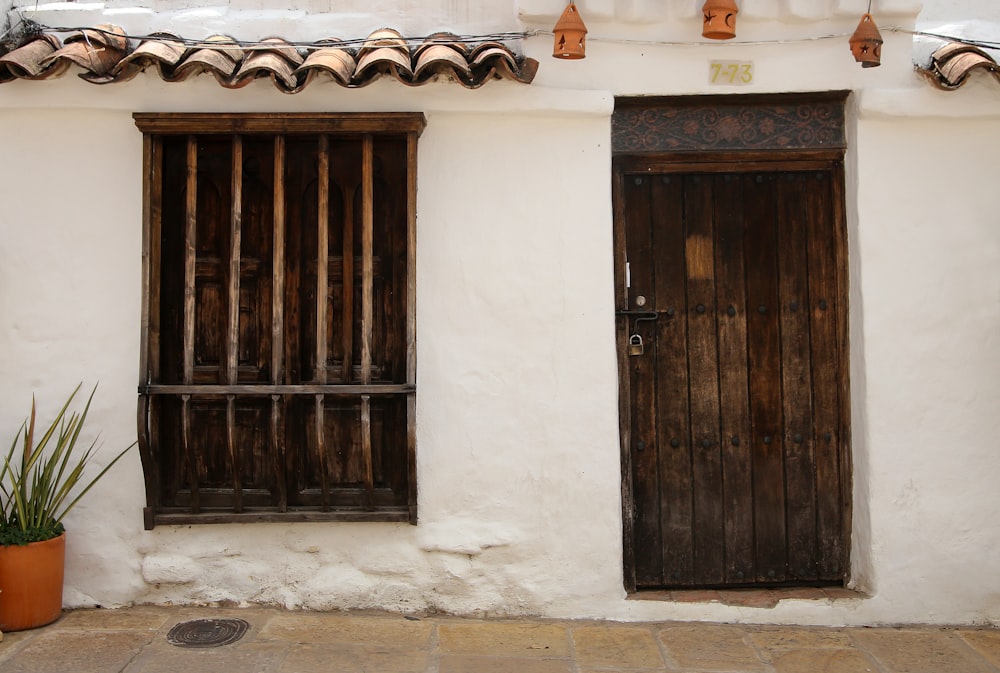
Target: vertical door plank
[(367, 308), (796, 376), (190, 260), (233, 326), (411, 258), (367, 268), (278, 453), (822, 307), (347, 280), (706, 455), (672, 428), (189, 454), (149, 364), (190, 256), (645, 478), (322, 259), (277, 323), (621, 208), (734, 403), (235, 237), (278, 266), (366, 451), (760, 243), (320, 429), (152, 218), (322, 299), (411, 319), (234, 457)]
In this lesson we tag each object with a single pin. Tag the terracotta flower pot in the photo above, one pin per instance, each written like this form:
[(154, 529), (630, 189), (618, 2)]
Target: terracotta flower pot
[(31, 584)]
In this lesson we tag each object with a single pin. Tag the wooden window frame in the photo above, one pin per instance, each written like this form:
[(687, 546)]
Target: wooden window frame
[(366, 127)]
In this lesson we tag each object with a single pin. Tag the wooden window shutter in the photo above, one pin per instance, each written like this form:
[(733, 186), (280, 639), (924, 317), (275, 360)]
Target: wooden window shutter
[(278, 317)]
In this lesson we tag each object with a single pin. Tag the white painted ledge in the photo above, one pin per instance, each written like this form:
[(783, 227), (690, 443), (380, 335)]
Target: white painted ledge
[(148, 93), (978, 99)]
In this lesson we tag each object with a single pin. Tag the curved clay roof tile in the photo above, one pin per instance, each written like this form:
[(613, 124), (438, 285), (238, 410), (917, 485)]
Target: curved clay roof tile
[(387, 60), (442, 59), (102, 52), (105, 34), (96, 51), (25, 62), (281, 47), (336, 61), (449, 39), (268, 64), (953, 64), (384, 38), (163, 53), (218, 55)]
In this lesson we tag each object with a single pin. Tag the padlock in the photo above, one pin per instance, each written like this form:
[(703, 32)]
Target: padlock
[(635, 345)]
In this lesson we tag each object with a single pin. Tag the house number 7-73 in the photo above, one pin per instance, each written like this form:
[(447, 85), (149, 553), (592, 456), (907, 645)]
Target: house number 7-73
[(730, 72)]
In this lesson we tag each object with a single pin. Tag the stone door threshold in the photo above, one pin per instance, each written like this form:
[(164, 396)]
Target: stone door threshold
[(749, 598)]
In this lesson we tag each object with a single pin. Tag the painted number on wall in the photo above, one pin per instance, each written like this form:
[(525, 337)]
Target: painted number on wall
[(730, 72)]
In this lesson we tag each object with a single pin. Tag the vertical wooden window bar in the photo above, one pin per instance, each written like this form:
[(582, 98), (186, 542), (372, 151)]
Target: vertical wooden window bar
[(278, 324)]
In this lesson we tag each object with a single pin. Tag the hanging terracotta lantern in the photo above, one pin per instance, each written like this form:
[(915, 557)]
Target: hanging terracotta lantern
[(720, 19), (571, 35), (866, 43)]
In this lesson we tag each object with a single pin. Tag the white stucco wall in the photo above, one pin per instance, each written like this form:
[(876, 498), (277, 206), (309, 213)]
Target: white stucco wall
[(517, 426)]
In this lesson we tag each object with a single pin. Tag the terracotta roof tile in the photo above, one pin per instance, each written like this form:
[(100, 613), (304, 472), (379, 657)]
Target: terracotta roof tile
[(105, 54), (952, 64), (25, 62)]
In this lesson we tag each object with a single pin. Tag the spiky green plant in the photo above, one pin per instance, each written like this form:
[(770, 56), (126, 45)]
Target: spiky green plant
[(45, 479)]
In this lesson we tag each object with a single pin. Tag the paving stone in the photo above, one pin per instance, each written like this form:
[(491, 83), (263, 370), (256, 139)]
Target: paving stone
[(823, 661), (349, 659), (395, 632), (473, 664), (616, 646), (695, 596), (605, 669), (512, 639), (986, 643), (710, 647), (792, 638), (242, 657), (62, 651), (840, 593), (920, 651), (801, 593), (122, 619), (752, 598)]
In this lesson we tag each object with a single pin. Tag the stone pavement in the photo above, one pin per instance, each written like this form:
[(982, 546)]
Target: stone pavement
[(134, 640)]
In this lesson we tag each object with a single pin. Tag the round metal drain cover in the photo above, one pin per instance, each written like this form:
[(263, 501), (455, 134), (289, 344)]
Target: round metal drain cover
[(207, 632)]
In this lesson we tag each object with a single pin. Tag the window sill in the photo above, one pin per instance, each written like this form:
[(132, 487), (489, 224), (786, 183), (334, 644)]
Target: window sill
[(750, 598), (401, 515)]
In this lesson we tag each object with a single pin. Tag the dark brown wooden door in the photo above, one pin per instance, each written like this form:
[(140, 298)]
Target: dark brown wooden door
[(735, 413)]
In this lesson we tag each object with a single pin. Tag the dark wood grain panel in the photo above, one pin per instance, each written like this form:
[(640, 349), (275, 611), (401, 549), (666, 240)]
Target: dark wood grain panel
[(703, 383), (734, 403), (796, 375), (672, 402), (647, 526), (763, 346), (823, 304)]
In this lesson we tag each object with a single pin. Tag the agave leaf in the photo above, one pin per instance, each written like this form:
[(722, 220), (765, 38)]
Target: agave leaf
[(50, 478), (29, 437), (90, 484)]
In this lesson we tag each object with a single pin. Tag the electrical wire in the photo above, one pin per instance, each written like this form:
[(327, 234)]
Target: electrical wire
[(26, 27), (33, 27)]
